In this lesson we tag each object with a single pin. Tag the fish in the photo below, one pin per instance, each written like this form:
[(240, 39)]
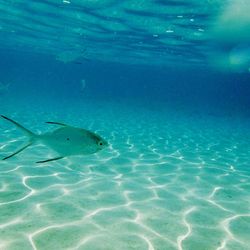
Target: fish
[(4, 87), (65, 140), (83, 85)]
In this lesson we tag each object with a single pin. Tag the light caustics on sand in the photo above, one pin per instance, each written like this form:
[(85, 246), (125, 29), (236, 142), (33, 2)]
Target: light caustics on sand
[(142, 192)]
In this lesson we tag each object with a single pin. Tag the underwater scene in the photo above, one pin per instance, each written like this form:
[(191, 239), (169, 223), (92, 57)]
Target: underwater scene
[(124, 124)]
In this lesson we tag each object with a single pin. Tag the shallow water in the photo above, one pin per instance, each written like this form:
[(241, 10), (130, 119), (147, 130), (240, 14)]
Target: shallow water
[(166, 83), (167, 181)]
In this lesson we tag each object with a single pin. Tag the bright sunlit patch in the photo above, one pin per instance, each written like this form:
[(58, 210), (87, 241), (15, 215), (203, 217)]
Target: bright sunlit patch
[(231, 37), (240, 56)]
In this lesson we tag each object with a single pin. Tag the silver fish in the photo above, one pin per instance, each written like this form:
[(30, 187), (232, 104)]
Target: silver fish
[(66, 141)]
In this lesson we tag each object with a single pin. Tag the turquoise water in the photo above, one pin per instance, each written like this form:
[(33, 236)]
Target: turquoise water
[(166, 83), (168, 181)]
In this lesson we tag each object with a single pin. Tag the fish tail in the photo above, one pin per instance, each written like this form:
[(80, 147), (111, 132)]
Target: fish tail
[(18, 151), (30, 134)]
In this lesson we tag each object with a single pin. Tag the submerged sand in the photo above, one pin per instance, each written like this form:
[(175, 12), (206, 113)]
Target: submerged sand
[(167, 181)]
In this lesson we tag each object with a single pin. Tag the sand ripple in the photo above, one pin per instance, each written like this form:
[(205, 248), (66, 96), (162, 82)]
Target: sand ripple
[(178, 184)]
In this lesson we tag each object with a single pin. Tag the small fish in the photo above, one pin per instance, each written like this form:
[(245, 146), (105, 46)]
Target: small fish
[(66, 141), (4, 87), (83, 85)]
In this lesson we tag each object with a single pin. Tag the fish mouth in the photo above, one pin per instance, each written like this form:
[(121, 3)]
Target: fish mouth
[(105, 143)]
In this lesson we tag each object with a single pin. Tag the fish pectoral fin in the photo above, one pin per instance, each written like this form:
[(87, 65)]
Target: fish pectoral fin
[(18, 151), (57, 123), (52, 159)]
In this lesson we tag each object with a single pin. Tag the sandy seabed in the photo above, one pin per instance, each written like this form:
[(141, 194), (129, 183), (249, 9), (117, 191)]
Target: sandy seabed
[(167, 181)]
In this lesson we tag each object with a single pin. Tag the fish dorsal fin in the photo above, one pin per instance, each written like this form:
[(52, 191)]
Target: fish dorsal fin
[(57, 123)]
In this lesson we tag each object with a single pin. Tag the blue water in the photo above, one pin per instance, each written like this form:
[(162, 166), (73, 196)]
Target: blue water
[(166, 83)]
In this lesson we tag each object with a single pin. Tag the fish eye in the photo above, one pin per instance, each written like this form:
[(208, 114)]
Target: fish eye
[(100, 143)]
